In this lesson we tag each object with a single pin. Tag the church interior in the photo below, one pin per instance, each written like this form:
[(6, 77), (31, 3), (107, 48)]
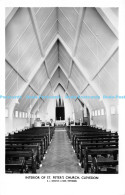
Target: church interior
[(61, 90)]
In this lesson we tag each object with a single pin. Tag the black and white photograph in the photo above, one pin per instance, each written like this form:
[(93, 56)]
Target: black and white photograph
[(62, 97)]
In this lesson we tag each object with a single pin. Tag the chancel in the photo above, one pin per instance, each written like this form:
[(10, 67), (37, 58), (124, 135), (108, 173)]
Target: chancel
[(62, 57)]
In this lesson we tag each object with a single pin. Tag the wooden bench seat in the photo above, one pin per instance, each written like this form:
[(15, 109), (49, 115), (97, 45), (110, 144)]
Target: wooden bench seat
[(28, 142), (27, 148), (16, 166), (104, 165), (80, 140), (28, 156), (89, 153), (29, 139)]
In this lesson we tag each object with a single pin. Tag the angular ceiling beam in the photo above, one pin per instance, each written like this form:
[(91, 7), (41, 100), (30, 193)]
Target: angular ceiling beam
[(79, 27), (110, 19), (10, 15), (82, 70), (73, 85), (77, 35), (45, 85), (15, 69), (37, 67), (106, 58), (37, 33), (36, 29)]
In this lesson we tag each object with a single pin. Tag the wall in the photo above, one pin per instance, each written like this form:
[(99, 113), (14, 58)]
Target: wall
[(114, 122), (18, 123), (99, 121)]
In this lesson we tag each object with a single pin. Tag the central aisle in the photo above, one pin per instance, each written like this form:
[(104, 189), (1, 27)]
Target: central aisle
[(60, 157)]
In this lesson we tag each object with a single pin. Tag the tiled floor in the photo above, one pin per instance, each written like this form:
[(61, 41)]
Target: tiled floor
[(60, 157)]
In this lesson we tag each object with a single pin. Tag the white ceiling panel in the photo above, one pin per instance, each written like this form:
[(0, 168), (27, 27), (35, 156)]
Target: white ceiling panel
[(52, 59), (47, 26), (88, 60), (77, 9), (55, 77), (105, 84), (92, 42), (51, 65), (71, 14), (13, 79), (50, 36), (66, 24), (65, 36), (42, 15), (63, 79), (16, 27), (40, 78), (21, 45), (12, 86), (47, 90), (112, 70), (36, 9), (99, 28), (94, 103), (37, 105), (64, 59), (78, 78), (24, 103), (71, 90), (8, 69), (52, 52)]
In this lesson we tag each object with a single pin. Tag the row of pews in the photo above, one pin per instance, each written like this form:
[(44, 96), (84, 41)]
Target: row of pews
[(25, 150), (96, 149)]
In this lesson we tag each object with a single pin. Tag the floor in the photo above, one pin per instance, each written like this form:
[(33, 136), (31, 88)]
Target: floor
[(60, 157)]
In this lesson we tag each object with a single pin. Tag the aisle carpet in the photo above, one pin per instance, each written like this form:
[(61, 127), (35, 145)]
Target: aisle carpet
[(60, 157)]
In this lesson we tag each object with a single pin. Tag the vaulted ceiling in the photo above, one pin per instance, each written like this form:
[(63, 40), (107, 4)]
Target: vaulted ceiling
[(77, 47)]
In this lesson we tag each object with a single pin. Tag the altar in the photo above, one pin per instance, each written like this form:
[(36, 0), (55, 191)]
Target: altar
[(60, 123)]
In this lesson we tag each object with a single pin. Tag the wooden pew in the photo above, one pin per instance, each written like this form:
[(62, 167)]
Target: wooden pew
[(16, 166), (28, 156), (94, 152), (80, 140), (32, 139), (36, 147), (99, 145), (104, 165), (28, 142)]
